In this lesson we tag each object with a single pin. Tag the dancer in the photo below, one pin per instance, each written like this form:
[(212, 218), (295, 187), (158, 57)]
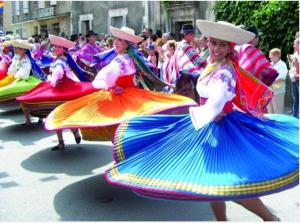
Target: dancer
[(215, 153), (118, 98), (23, 73), (62, 85)]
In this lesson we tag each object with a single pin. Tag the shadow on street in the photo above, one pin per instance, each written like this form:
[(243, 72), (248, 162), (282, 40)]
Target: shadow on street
[(94, 199), (75, 160), (8, 113), (24, 134)]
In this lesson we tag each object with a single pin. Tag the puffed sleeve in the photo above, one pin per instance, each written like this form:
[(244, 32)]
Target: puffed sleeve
[(57, 73), (107, 76), (24, 71), (13, 66), (220, 91)]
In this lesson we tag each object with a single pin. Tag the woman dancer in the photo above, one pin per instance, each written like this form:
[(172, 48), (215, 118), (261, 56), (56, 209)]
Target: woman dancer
[(62, 85), (215, 153), (118, 98)]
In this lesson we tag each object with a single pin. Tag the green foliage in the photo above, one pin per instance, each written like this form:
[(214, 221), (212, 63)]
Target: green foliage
[(278, 20), (165, 5)]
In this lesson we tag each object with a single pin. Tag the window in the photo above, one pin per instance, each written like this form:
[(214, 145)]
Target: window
[(17, 4), (53, 2), (43, 29), (86, 26), (25, 6), (55, 29), (41, 4), (36, 30), (117, 21)]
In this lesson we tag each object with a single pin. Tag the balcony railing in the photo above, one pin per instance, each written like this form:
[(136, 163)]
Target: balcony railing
[(45, 12)]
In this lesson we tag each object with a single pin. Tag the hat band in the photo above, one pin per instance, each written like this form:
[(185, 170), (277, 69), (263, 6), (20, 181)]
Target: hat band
[(188, 31)]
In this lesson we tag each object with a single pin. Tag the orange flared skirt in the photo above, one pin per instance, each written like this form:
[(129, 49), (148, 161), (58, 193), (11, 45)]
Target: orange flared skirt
[(99, 113)]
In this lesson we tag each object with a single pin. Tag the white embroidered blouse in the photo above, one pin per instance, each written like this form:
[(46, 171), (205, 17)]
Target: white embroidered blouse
[(121, 65), (20, 68), (58, 69), (218, 87)]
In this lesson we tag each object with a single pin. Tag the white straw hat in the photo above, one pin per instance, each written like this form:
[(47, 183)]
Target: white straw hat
[(6, 43), (60, 41), (224, 31), (19, 43), (126, 33)]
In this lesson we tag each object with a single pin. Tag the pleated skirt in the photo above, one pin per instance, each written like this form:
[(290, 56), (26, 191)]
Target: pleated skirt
[(44, 97), (98, 114), (17, 87), (242, 156), (3, 69)]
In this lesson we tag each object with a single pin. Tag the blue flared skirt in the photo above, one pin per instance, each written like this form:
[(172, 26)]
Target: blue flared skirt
[(242, 156)]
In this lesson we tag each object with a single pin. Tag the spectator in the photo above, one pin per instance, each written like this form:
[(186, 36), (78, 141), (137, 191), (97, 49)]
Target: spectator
[(152, 57), (278, 87), (147, 32), (187, 61), (204, 52), (294, 76)]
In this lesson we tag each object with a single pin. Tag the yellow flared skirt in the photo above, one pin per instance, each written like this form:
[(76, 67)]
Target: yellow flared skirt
[(7, 80)]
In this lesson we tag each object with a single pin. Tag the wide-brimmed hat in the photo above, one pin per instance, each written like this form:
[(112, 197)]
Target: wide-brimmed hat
[(7, 43), (19, 43), (126, 33), (45, 43), (60, 41), (90, 33), (187, 28), (224, 31)]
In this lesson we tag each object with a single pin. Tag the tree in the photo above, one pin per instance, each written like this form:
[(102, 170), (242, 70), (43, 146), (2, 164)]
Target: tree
[(277, 20)]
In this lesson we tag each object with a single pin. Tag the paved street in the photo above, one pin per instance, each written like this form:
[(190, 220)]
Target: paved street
[(37, 184)]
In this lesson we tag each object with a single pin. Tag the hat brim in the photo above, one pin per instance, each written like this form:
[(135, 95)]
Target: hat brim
[(187, 31), (60, 41), (118, 33), (91, 34), (44, 43), (224, 31), (22, 44), (7, 43)]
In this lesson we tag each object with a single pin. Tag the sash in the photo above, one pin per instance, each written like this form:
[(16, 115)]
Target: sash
[(252, 95)]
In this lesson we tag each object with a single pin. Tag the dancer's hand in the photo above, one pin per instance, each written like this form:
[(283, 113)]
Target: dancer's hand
[(118, 90), (220, 117)]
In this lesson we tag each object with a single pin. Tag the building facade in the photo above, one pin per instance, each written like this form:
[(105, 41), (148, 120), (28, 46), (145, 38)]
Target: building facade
[(68, 17), (7, 17), (38, 17), (99, 15)]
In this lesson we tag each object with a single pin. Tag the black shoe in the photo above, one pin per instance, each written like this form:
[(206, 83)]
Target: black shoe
[(26, 124), (60, 146), (78, 139)]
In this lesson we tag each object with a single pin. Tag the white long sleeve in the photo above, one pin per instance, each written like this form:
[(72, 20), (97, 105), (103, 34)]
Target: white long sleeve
[(281, 69), (218, 88), (106, 77), (122, 65), (24, 70), (57, 74), (13, 66)]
